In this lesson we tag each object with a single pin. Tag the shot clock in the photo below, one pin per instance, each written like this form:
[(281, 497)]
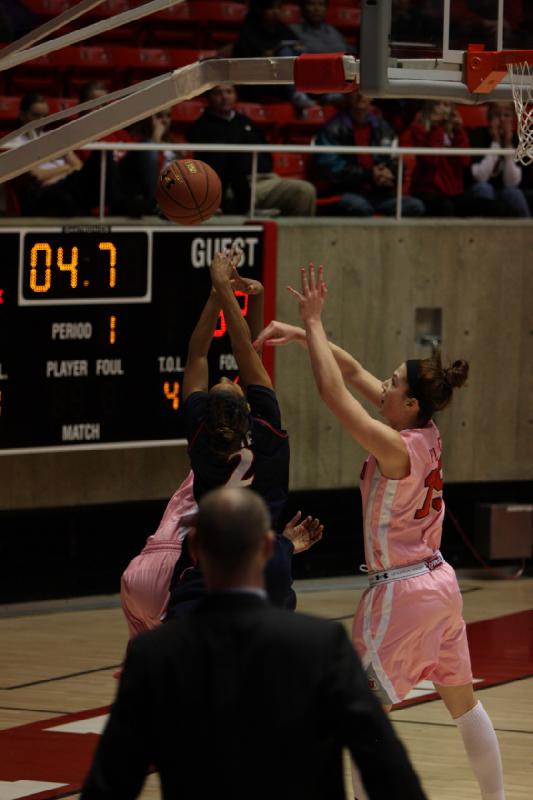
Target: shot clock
[(74, 268), (94, 330)]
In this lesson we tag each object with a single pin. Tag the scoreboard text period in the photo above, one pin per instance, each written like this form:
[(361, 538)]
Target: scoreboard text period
[(94, 329)]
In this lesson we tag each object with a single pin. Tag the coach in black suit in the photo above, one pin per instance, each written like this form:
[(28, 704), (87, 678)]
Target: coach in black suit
[(241, 700)]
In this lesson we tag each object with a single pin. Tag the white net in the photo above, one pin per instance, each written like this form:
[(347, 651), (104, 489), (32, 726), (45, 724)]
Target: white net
[(521, 76)]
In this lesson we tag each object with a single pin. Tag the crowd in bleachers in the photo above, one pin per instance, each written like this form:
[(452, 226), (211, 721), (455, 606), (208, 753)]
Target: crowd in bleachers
[(294, 184)]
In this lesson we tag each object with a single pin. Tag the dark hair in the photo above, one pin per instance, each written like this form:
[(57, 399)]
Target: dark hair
[(303, 3), (88, 88), (230, 526), (434, 384), (227, 421), (28, 100)]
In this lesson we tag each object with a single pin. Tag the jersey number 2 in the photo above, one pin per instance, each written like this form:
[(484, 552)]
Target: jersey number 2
[(242, 467), (433, 483)]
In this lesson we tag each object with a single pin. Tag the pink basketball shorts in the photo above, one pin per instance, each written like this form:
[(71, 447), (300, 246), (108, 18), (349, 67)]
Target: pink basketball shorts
[(410, 630)]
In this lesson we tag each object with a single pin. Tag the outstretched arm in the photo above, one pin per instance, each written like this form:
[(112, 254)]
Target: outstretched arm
[(250, 365), (383, 442), (353, 373), (196, 377)]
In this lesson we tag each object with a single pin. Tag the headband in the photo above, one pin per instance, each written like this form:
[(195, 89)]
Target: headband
[(415, 385)]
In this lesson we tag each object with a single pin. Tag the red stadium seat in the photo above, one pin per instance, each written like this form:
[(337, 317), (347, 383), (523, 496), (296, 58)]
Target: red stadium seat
[(218, 22), (290, 165), (173, 26), (83, 64), (60, 103), (474, 116), (186, 112), (296, 165), (139, 63), (39, 75), (132, 32), (270, 117), (346, 18), (9, 109), (300, 130)]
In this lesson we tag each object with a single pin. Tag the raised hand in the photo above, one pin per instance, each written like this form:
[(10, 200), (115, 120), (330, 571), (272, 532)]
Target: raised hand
[(246, 285), (303, 535), (221, 268), (313, 295), (278, 333)]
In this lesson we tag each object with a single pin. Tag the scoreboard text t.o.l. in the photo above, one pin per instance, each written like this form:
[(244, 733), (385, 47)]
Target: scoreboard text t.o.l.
[(94, 329)]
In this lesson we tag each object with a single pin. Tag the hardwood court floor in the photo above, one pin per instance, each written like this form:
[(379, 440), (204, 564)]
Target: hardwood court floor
[(58, 658)]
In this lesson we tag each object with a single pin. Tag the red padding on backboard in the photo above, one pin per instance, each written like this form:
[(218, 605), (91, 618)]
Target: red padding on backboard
[(323, 72)]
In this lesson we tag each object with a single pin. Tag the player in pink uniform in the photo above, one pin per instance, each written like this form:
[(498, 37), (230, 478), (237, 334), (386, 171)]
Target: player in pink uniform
[(409, 625)]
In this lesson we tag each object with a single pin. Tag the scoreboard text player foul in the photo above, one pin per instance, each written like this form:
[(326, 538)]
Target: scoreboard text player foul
[(95, 326)]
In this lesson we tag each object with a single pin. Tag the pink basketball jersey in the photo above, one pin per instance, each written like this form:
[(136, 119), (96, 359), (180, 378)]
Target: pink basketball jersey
[(403, 518), (181, 504)]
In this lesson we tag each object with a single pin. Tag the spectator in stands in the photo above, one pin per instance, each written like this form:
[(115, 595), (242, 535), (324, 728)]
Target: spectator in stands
[(366, 183), (263, 34), (496, 189), (439, 181), (94, 90), (221, 122), (314, 35), (64, 186), (139, 170)]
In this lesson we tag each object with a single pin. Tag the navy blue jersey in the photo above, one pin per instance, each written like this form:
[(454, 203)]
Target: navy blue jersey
[(263, 464)]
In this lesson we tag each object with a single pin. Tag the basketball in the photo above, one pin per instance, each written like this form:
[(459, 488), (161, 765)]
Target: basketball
[(188, 191)]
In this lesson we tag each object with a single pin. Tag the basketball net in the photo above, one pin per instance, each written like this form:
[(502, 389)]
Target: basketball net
[(521, 77)]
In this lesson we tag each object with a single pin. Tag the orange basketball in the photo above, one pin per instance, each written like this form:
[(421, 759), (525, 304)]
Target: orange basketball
[(188, 191)]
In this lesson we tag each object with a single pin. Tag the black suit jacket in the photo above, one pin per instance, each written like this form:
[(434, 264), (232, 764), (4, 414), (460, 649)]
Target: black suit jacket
[(245, 701)]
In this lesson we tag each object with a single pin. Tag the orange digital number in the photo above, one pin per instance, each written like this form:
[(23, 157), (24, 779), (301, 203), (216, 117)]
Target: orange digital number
[(110, 247), (221, 322), (34, 257), (172, 394), (70, 267), (112, 329)]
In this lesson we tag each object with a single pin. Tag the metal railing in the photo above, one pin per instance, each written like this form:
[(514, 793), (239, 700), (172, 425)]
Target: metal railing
[(393, 151)]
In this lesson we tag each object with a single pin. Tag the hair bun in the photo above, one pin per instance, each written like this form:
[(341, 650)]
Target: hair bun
[(457, 374)]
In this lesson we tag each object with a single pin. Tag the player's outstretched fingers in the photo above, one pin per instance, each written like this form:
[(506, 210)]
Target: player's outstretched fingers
[(312, 282), (292, 290), (305, 285)]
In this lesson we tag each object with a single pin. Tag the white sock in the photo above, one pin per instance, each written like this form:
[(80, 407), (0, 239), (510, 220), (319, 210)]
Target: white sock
[(483, 751), (357, 783)]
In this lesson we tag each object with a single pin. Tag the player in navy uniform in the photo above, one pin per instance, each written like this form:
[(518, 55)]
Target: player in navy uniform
[(235, 435)]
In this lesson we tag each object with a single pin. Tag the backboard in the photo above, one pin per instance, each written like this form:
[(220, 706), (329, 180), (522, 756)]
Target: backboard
[(416, 48)]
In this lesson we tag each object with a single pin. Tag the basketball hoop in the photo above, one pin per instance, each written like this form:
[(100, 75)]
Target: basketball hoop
[(521, 78)]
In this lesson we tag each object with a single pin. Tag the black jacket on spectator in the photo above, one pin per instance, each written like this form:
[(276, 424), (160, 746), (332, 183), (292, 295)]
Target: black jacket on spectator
[(232, 168), (254, 40)]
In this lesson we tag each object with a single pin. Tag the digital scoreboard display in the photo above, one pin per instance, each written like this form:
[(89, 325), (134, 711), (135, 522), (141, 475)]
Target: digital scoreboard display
[(94, 330)]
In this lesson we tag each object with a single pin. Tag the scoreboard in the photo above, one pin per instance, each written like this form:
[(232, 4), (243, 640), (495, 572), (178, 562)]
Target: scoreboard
[(94, 329)]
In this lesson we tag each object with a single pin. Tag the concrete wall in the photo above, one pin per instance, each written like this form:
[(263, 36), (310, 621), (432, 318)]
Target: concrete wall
[(480, 274)]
